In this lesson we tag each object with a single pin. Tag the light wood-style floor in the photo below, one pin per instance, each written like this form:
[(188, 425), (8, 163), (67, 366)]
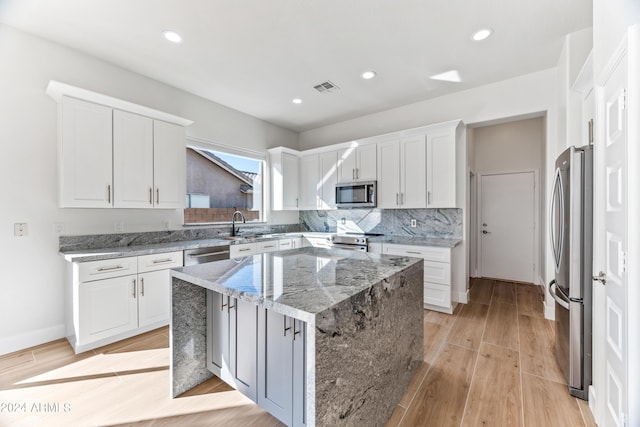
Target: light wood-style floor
[(489, 364)]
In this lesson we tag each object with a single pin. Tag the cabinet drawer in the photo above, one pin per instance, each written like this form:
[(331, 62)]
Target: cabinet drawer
[(244, 249), (439, 295), (161, 261), (285, 244), (437, 272), (425, 252), (268, 246), (104, 269)]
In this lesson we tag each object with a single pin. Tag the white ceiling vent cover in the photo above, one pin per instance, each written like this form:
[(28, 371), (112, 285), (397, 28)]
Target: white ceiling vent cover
[(325, 87)]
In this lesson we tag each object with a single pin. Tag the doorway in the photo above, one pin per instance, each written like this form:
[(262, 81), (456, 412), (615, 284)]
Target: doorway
[(507, 226)]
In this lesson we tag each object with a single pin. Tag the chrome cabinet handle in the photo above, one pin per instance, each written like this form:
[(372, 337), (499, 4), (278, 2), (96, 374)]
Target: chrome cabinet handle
[(150, 196), (229, 306), (294, 329), (222, 304), (428, 197), (397, 199), (134, 288), (109, 193), (244, 249), (402, 198), (414, 252), (357, 173), (162, 261), (157, 196), (284, 326), (601, 277), (142, 286), (207, 254), (115, 267)]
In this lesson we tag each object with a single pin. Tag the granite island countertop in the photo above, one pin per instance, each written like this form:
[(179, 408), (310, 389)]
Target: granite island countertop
[(299, 283)]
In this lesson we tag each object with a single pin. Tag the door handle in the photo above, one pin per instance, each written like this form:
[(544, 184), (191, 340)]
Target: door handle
[(552, 291), (486, 232), (601, 277)]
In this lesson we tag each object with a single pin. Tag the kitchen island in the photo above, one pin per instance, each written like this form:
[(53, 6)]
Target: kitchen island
[(359, 331)]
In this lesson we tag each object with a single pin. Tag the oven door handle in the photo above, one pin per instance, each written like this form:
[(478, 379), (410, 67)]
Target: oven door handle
[(361, 248)]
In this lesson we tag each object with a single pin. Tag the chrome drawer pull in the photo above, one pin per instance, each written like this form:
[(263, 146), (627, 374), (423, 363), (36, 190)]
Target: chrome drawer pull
[(115, 267), (207, 254), (414, 252), (161, 261), (244, 250)]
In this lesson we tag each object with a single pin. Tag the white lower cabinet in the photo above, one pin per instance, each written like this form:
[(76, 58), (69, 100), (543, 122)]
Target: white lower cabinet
[(231, 342), (254, 350), (437, 273), (113, 299)]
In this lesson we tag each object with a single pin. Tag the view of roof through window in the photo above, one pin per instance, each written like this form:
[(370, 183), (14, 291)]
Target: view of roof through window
[(219, 183)]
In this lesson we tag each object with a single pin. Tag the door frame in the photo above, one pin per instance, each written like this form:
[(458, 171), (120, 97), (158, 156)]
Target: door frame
[(537, 220), (473, 224)]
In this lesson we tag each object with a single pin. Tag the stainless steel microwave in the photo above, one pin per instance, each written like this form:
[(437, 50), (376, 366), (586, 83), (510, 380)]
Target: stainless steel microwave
[(356, 194)]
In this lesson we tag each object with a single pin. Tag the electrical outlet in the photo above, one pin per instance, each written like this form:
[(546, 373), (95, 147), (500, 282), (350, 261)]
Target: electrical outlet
[(58, 228), (166, 224), (413, 223), (118, 227), (20, 229)]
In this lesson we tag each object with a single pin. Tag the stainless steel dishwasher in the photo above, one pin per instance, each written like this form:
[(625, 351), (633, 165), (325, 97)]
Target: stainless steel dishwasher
[(202, 255)]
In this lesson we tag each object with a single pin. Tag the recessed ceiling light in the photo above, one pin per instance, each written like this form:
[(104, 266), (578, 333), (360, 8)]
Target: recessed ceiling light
[(367, 75), (481, 34), (296, 101), (448, 76), (172, 36)]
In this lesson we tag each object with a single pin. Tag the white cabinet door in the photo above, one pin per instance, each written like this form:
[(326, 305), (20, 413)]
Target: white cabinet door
[(218, 335), (309, 180), (107, 307), (328, 164), (413, 173), (388, 175), (347, 159), (169, 163), (85, 155), (441, 169), (243, 326), (366, 166), (275, 359), (357, 164), (300, 375), (290, 172), (154, 297), (132, 160)]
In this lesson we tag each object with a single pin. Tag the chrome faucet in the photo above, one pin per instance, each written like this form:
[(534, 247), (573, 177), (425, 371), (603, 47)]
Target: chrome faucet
[(233, 223)]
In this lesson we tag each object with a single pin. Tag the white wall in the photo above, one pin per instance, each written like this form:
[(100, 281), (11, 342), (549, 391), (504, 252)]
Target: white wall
[(31, 296)]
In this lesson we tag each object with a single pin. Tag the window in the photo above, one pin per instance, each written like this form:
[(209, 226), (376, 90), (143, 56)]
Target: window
[(220, 183)]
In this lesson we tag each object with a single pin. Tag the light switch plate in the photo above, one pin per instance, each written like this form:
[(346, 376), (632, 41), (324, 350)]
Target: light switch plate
[(118, 227), (20, 229), (58, 228), (413, 223)]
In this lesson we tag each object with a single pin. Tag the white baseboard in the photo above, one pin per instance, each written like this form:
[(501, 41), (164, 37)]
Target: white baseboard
[(30, 339), (463, 297), (550, 310)]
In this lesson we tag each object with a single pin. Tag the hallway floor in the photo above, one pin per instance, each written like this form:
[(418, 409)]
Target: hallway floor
[(489, 364)]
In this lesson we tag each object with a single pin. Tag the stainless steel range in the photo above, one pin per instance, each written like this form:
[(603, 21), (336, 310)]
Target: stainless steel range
[(351, 241)]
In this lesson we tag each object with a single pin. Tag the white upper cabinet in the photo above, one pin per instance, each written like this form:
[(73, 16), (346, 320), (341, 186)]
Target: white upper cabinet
[(328, 163), (309, 179), (132, 160), (112, 153), (357, 164), (285, 175), (441, 168), (402, 173), (84, 154), (169, 165), (388, 174), (318, 177)]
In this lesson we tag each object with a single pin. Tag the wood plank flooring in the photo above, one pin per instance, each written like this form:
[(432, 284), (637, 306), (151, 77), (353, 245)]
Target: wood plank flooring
[(493, 367), (488, 364)]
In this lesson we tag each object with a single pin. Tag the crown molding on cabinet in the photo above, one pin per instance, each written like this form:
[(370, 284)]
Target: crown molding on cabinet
[(57, 90)]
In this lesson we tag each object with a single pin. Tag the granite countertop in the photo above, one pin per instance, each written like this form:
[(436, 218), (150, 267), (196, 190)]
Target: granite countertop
[(416, 241), (155, 248), (299, 283)]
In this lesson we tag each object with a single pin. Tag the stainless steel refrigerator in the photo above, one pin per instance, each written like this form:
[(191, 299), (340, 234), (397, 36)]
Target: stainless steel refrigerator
[(571, 227)]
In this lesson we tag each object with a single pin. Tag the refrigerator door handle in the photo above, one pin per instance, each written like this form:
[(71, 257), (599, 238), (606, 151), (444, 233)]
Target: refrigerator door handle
[(559, 300), (557, 219)]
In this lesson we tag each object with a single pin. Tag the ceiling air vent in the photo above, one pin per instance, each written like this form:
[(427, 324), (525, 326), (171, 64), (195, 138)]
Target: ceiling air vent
[(325, 87)]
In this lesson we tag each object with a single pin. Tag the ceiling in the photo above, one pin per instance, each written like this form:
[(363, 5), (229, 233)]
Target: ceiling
[(257, 55)]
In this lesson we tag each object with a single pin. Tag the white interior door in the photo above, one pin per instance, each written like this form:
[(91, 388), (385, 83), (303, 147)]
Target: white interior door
[(611, 237), (507, 226)]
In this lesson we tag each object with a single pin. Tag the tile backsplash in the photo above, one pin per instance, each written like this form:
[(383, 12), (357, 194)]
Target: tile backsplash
[(433, 223)]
